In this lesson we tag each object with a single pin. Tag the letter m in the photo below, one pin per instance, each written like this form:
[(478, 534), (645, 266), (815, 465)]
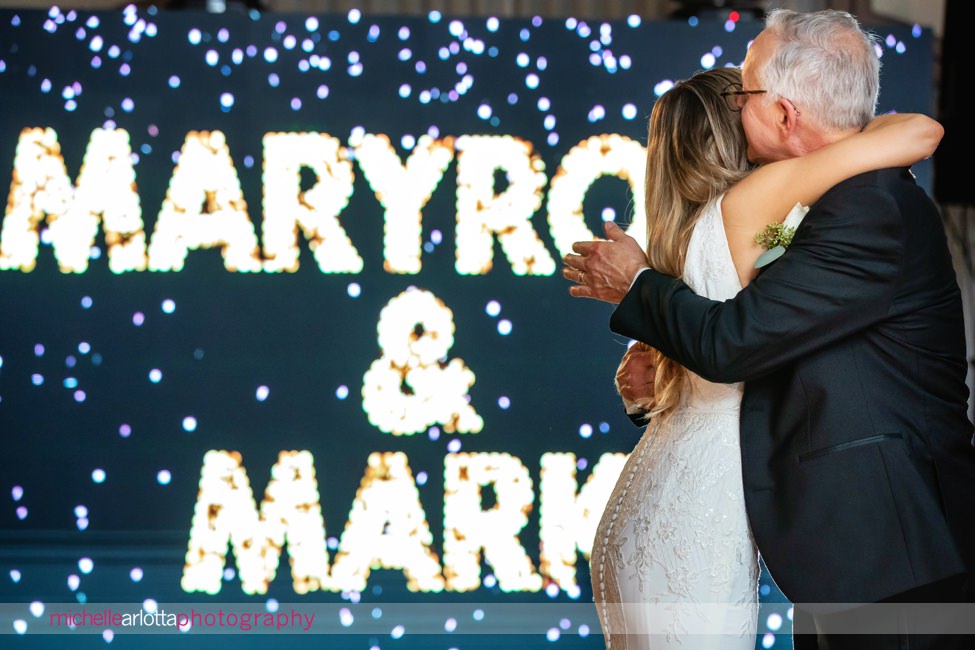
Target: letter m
[(41, 191), (226, 517)]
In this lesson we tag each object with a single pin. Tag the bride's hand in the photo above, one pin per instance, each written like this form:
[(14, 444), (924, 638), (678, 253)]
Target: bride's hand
[(635, 376)]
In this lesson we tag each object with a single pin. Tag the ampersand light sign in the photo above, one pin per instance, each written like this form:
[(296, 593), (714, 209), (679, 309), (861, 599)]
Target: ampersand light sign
[(412, 386)]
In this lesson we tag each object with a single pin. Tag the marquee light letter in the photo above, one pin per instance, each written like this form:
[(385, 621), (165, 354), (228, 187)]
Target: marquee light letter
[(583, 165), (403, 190), (41, 190), (482, 214), (387, 529), (204, 208), (315, 211), (468, 528), (226, 516), (568, 522), (411, 386)]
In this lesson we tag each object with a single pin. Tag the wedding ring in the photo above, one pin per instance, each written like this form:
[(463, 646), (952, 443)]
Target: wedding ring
[(582, 277)]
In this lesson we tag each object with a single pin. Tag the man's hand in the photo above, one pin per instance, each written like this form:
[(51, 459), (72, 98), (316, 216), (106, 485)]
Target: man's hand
[(635, 377), (604, 269)]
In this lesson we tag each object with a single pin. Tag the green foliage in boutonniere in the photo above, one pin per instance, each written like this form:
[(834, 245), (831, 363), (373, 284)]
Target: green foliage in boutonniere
[(774, 238), (775, 234)]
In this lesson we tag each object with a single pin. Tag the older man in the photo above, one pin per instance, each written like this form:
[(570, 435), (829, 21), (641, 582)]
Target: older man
[(858, 466)]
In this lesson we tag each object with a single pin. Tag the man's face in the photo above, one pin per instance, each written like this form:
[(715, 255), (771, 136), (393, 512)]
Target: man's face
[(758, 116)]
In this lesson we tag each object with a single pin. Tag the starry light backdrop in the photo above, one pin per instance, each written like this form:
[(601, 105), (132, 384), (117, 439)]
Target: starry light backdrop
[(294, 280)]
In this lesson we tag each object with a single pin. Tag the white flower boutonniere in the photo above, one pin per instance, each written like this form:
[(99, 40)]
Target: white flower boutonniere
[(776, 237)]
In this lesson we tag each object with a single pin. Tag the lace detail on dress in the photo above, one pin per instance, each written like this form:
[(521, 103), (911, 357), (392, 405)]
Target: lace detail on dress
[(709, 270), (673, 555)]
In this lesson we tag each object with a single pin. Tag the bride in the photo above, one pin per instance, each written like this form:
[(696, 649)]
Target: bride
[(673, 562)]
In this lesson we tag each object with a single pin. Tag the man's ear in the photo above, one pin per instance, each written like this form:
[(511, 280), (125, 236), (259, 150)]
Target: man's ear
[(788, 117)]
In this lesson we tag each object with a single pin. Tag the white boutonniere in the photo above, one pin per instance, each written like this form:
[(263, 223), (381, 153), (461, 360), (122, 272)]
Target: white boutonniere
[(776, 237)]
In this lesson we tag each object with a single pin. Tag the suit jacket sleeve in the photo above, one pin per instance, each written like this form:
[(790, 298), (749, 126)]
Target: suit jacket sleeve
[(837, 277)]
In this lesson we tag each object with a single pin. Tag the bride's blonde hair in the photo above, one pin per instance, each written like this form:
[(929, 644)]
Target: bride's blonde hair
[(696, 150)]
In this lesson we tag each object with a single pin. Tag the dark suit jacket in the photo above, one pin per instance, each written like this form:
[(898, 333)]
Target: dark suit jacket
[(857, 455)]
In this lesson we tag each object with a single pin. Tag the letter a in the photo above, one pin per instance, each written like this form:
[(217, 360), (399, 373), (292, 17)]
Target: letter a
[(204, 208), (387, 529)]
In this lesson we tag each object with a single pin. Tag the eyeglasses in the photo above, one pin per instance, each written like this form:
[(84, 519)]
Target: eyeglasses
[(735, 95)]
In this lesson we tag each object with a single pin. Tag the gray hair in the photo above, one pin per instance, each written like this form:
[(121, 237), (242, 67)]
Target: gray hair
[(825, 64)]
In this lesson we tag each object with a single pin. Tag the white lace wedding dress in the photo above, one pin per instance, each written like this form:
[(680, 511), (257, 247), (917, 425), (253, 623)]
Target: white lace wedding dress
[(674, 564)]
